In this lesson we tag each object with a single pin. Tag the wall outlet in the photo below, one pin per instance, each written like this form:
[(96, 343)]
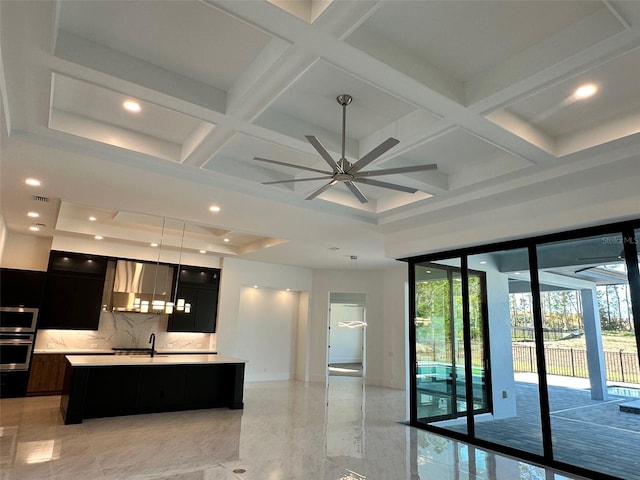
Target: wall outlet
[(504, 394), (170, 345), (198, 345), (94, 345), (51, 345)]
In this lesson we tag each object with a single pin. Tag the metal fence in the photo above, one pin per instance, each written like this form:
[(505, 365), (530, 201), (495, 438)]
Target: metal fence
[(572, 362)]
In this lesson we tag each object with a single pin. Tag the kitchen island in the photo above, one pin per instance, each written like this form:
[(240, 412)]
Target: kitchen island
[(111, 385)]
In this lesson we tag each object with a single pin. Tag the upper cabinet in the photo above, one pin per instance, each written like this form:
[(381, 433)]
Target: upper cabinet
[(198, 287), (74, 291), (21, 288)]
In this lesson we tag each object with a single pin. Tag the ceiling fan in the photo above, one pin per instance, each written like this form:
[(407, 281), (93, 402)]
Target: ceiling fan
[(349, 173)]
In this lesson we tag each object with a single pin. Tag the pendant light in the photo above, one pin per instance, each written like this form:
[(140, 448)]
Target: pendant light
[(179, 303), (155, 304)]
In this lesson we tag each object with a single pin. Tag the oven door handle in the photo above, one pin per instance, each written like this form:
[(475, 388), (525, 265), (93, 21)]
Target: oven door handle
[(16, 342)]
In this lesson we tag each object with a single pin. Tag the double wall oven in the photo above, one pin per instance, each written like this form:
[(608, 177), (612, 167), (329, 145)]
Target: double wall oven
[(17, 335)]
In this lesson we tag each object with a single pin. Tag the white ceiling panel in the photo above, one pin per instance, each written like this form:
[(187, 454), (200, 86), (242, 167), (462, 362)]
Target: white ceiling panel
[(464, 38), (480, 88), (188, 37), (557, 112)]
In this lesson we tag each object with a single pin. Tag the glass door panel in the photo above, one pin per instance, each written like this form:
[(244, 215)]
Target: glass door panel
[(435, 355), (441, 393), (479, 342), (513, 402), (590, 351)]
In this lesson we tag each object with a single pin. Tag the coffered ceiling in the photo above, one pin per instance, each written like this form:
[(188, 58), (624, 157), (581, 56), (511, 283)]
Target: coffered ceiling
[(484, 89)]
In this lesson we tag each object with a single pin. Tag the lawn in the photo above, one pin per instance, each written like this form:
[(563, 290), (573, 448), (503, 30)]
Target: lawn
[(612, 342)]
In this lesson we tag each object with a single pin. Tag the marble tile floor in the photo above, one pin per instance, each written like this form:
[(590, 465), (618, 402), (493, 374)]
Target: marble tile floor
[(288, 430)]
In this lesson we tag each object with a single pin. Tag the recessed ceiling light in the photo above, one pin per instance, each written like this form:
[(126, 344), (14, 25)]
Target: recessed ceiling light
[(288, 289), (131, 106), (516, 273), (98, 237), (92, 219), (203, 251), (585, 91), (34, 228), (33, 182), (214, 208), (255, 286), (154, 245), (33, 214), (226, 240), (484, 262)]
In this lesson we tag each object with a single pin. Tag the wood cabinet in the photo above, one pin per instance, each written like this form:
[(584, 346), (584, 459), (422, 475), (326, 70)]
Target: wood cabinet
[(73, 292), (21, 288), (46, 375), (199, 287)]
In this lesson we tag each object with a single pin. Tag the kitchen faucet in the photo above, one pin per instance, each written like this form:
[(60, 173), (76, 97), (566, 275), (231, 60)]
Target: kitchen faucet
[(152, 341)]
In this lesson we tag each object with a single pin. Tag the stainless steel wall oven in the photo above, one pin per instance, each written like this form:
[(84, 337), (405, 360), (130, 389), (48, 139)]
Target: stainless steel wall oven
[(17, 335)]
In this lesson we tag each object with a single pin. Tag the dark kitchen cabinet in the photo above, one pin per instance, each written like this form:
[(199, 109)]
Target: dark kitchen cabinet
[(105, 391), (198, 287), (21, 288), (161, 388), (73, 292), (110, 391), (203, 386)]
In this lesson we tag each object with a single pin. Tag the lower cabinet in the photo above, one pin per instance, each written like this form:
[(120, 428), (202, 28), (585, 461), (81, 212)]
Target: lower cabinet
[(111, 391), (161, 388), (106, 391), (46, 376)]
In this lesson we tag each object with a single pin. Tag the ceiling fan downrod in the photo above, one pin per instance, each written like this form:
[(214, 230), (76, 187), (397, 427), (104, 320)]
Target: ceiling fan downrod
[(344, 100)]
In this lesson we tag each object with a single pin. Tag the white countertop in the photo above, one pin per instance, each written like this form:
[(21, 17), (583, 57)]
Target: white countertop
[(159, 359), (75, 351)]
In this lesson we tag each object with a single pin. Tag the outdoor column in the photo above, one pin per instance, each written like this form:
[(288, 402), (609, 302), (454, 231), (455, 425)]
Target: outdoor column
[(595, 352)]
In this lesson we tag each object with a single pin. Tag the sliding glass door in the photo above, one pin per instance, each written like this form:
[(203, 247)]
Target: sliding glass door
[(441, 394), (559, 317)]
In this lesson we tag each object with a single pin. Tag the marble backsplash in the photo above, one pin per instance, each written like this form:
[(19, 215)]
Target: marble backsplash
[(132, 330)]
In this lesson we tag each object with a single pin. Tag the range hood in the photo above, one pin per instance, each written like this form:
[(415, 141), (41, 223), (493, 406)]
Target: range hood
[(138, 282)]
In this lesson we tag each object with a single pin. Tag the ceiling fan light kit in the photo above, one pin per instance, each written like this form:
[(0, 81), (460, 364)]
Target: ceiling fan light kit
[(349, 173)]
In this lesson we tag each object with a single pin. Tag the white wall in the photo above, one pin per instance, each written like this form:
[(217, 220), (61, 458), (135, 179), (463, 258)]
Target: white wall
[(385, 317), (25, 252), (396, 327), (267, 320), (238, 314), (346, 343)]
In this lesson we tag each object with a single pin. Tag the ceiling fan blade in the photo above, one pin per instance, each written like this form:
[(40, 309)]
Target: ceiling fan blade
[(297, 180), (391, 186), (275, 162), (620, 256), (321, 189), (388, 144), (323, 152), (356, 191), (392, 171)]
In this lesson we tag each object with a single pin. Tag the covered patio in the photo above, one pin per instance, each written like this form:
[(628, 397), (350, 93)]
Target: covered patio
[(593, 434)]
